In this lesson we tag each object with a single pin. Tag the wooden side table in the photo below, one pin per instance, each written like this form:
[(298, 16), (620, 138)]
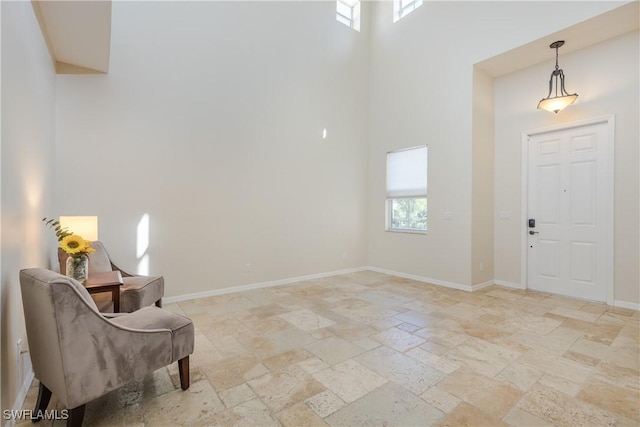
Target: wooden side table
[(108, 281)]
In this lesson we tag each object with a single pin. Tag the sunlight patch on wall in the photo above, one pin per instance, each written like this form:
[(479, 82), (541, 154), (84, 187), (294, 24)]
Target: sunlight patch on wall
[(142, 245)]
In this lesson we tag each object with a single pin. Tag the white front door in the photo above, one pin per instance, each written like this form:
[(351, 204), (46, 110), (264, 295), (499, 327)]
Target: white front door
[(569, 197)]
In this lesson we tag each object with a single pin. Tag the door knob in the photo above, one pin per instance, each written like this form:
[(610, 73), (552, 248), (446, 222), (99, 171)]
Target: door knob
[(533, 232)]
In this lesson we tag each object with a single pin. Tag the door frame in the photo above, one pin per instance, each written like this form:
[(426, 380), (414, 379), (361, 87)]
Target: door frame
[(609, 120)]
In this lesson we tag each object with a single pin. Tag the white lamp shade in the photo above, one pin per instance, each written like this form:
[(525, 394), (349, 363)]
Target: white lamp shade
[(557, 103), (84, 226)]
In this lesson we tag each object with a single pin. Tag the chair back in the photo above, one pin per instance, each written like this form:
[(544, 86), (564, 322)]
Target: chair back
[(50, 303), (99, 261)]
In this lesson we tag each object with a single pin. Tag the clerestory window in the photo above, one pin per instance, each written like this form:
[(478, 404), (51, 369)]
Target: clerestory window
[(402, 8), (348, 13)]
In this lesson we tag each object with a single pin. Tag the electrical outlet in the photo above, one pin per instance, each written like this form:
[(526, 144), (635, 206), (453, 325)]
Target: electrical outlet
[(247, 268), (481, 266)]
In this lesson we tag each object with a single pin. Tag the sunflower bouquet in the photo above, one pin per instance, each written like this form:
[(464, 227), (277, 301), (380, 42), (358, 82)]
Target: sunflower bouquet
[(72, 244), (76, 247)]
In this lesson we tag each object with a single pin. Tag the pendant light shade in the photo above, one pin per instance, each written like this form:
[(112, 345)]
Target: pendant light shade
[(560, 99)]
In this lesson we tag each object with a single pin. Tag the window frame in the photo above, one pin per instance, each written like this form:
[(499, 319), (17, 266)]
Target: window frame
[(389, 200), (400, 11), (352, 21)]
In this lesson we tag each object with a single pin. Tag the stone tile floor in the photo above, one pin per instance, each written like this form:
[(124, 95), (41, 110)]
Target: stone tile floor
[(370, 349)]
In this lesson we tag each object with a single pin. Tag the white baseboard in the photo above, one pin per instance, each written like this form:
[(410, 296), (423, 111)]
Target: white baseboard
[(482, 285), (452, 285), (22, 394), (509, 284), (625, 304), (251, 286)]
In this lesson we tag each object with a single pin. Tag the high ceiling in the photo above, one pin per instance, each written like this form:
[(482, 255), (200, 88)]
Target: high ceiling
[(612, 24), (78, 34)]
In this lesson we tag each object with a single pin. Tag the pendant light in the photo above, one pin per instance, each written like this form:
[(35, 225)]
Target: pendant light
[(560, 98)]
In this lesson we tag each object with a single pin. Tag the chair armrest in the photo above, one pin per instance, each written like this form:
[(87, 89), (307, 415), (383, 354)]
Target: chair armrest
[(123, 272), (112, 315), (100, 355)]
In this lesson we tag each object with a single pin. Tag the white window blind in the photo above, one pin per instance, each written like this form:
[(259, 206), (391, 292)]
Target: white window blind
[(407, 173)]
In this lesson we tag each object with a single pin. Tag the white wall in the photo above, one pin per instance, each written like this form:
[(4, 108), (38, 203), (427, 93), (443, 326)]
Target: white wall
[(421, 93), (605, 76), (482, 185), (28, 92), (210, 121)]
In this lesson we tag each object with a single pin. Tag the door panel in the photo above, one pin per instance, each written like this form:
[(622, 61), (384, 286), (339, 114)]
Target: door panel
[(568, 197)]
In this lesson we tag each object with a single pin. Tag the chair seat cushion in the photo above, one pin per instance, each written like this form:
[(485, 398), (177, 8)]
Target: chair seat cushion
[(151, 318), (140, 291)]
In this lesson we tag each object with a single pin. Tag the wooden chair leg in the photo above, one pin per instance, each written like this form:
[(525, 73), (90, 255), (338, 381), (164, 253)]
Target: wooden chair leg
[(183, 367), (76, 415), (159, 303), (44, 395)]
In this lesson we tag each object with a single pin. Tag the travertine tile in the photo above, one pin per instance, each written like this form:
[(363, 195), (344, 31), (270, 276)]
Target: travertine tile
[(520, 376), (560, 384), (349, 380), (253, 412), (306, 320), (530, 322), (394, 366), (197, 405), (352, 331), (627, 358), (408, 327), (367, 344), (334, 350), (433, 360), (398, 339), (440, 399), (521, 418), (371, 349), (483, 356), (612, 398), (236, 395), (299, 415), (325, 403), (284, 388), (543, 342), (390, 404), (602, 333), (468, 415), (287, 358), (421, 319), (494, 397), (575, 314), (617, 375), (312, 365), (560, 409), (234, 371)]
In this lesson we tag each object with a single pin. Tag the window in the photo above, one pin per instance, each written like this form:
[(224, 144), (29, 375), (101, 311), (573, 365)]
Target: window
[(401, 8), (407, 190), (348, 12)]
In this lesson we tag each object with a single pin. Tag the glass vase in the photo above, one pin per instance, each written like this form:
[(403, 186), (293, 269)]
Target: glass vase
[(78, 267)]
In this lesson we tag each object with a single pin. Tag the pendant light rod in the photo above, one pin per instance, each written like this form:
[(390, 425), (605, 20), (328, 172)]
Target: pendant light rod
[(560, 100)]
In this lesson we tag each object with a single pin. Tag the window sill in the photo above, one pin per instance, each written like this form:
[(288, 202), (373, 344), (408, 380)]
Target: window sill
[(396, 230)]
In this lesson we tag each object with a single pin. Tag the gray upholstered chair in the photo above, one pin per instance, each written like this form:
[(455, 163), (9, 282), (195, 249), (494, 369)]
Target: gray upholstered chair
[(136, 292), (80, 354)]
